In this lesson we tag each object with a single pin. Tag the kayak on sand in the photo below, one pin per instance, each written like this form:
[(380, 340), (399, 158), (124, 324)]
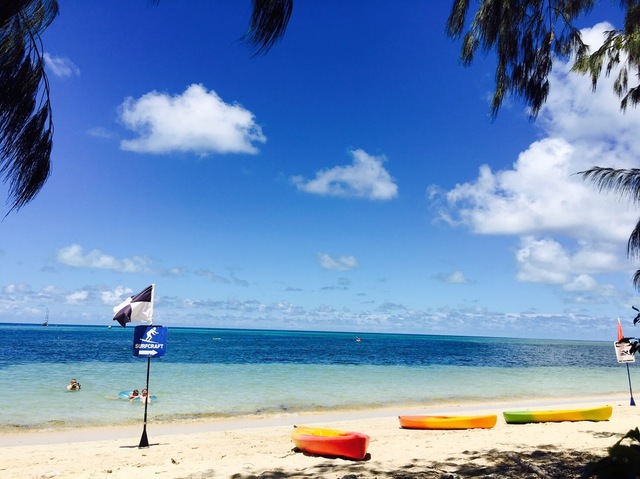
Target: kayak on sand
[(602, 413), (448, 422), (330, 442)]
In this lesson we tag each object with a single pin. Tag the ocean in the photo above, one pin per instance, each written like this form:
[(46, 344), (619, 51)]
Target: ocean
[(224, 373)]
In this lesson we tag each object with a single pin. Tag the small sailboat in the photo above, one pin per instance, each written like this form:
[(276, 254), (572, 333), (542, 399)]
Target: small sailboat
[(46, 318)]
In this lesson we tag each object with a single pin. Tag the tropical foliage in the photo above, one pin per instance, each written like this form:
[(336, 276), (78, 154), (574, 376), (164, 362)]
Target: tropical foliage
[(26, 127), (623, 461), (625, 183), (526, 36)]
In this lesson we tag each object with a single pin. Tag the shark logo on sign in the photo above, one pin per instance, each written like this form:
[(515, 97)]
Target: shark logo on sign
[(149, 341)]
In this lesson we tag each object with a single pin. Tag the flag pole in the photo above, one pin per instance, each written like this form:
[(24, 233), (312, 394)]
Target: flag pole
[(632, 402), (144, 441)]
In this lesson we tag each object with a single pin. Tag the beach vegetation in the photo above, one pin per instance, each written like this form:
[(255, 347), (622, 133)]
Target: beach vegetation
[(26, 125), (525, 36), (624, 183), (622, 461)]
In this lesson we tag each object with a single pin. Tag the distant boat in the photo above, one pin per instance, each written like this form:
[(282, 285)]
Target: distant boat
[(46, 318)]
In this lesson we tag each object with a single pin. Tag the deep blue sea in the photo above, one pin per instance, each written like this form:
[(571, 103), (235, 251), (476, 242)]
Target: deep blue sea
[(232, 373)]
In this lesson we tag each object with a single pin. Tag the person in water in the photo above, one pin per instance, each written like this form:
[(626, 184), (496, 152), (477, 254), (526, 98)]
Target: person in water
[(74, 385), (145, 396), (134, 394)]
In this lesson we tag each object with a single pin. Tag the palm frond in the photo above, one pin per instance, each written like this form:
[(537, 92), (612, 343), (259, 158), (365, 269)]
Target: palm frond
[(269, 20), (26, 127), (636, 280), (623, 182), (633, 244), (525, 37)]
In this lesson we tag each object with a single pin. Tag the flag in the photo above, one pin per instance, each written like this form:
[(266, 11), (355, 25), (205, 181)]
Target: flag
[(620, 334), (137, 308)]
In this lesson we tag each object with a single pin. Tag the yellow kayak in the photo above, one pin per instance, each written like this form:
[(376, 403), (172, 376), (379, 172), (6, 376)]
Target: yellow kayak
[(602, 413), (448, 422)]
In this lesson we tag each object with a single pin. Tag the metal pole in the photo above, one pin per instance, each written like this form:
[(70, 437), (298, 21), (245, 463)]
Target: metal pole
[(632, 403), (144, 442)]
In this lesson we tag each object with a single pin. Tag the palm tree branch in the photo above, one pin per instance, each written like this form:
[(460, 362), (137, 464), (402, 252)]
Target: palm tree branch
[(623, 182), (269, 20), (26, 127)]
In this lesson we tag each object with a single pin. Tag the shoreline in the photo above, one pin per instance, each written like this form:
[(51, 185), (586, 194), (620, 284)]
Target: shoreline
[(261, 446), (163, 421), (87, 432)]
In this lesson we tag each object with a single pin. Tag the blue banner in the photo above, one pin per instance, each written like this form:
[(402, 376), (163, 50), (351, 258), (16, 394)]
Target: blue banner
[(149, 341)]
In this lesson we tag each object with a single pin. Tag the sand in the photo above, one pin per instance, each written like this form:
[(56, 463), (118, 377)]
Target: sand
[(262, 447)]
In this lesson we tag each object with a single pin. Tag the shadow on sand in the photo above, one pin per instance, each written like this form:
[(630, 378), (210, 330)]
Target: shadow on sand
[(541, 464)]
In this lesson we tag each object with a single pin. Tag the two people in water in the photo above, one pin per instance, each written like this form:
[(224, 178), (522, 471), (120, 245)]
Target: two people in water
[(144, 396)]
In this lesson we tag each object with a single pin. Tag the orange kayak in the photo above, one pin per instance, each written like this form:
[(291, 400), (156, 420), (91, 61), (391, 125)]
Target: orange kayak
[(448, 422), (330, 442)]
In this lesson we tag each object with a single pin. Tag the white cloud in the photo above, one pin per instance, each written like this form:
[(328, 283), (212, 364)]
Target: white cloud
[(17, 288), (541, 194), (455, 277), (115, 296), (197, 121), (74, 256), (569, 231), (61, 67), (341, 263), (77, 297), (366, 177)]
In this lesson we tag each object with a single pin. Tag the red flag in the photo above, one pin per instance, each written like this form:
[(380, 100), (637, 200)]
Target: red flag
[(620, 335)]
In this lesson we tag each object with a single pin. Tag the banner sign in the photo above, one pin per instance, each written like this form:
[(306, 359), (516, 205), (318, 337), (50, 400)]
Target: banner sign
[(149, 341), (623, 353)]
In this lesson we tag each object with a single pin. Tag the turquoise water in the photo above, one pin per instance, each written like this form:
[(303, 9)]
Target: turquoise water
[(231, 373)]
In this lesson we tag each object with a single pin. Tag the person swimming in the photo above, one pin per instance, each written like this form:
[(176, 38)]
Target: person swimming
[(144, 397), (134, 394), (74, 385)]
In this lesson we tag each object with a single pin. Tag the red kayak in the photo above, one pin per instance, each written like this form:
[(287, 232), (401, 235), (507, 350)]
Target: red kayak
[(329, 442)]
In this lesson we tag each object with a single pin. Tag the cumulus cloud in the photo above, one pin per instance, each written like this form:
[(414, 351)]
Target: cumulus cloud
[(61, 67), (340, 263), (75, 256), (568, 231), (77, 297), (197, 121), (16, 288), (116, 295), (366, 177)]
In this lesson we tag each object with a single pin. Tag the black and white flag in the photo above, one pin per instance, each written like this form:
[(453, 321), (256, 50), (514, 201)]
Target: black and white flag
[(137, 308)]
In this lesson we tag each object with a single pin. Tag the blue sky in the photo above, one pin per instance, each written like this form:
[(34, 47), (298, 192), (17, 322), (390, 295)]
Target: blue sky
[(349, 180)]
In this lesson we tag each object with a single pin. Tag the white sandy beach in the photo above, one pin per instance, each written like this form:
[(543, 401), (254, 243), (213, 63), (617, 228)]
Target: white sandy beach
[(262, 447)]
